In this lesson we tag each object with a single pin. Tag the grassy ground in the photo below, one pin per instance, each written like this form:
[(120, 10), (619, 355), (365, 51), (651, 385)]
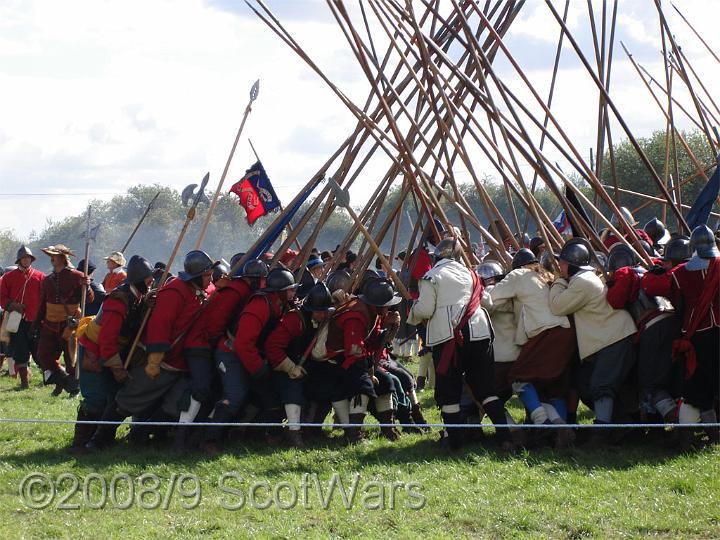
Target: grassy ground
[(640, 490)]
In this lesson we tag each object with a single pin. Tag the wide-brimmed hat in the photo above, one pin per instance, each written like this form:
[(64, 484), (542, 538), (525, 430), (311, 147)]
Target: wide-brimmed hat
[(116, 257), (58, 249)]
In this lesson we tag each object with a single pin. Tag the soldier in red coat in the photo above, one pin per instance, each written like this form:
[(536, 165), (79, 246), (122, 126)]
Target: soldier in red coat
[(287, 348), (657, 325), (105, 344), (257, 320), (217, 329), (343, 361), (610, 240), (57, 318), (694, 288), (177, 307), (20, 292)]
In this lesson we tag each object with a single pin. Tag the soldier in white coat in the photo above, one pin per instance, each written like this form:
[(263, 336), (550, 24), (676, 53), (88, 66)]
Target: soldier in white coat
[(461, 337)]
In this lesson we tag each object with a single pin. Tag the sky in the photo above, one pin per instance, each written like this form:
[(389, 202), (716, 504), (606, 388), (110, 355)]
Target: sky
[(98, 96)]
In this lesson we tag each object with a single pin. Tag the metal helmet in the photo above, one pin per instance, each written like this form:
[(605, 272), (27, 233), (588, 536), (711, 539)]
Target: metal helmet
[(318, 299), (222, 268), (380, 293), (627, 216), (702, 242), (655, 229), (279, 279), (490, 269), (535, 243), (620, 256), (439, 226), (234, 267), (576, 254), (339, 280), (523, 239), (24, 251), (368, 276), (677, 249), (522, 257), (449, 248), (138, 269), (254, 268), (196, 263), (600, 261)]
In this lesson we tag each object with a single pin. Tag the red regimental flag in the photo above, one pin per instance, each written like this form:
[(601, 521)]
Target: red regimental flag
[(249, 200)]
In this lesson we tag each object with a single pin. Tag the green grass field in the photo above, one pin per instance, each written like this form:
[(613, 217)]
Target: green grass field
[(636, 491)]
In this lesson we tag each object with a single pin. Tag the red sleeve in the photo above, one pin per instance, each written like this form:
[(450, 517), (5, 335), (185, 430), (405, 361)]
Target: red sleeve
[(168, 305), (252, 321), (223, 305), (4, 292), (622, 291), (422, 264), (113, 315), (42, 306), (353, 340), (277, 343)]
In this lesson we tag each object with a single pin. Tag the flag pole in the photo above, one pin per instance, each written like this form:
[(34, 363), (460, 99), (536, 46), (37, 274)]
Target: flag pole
[(83, 300), (253, 95)]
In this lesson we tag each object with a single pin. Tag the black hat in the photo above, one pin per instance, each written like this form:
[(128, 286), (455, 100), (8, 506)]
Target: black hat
[(677, 249), (380, 293), (138, 269), (620, 256), (279, 279), (522, 257), (318, 299), (90, 269)]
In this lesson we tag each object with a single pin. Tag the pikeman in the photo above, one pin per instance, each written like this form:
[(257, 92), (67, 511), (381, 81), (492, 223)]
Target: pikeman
[(604, 335), (258, 318), (177, 307), (460, 334), (58, 316), (116, 271), (286, 348), (216, 331), (105, 344), (657, 328), (20, 293), (693, 287), (655, 229)]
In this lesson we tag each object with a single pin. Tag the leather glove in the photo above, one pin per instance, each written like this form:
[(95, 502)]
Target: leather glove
[(151, 298), (291, 368), (152, 369), (115, 364), (657, 269)]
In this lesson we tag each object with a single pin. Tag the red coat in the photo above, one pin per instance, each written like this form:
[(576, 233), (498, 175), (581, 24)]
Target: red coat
[(176, 308), (611, 239), (258, 313), (69, 290), (113, 279), (11, 290), (113, 315), (683, 288), (223, 306), (355, 334), (277, 344)]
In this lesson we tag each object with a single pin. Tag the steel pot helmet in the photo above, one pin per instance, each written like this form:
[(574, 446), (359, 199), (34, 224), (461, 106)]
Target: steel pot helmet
[(490, 269), (254, 268), (449, 248), (138, 270), (279, 279), (24, 251), (318, 299), (339, 280), (576, 254), (600, 261), (222, 268), (655, 229), (380, 293), (620, 256), (627, 216), (196, 263), (523, 239), (522, 257), (677, 249), (702, 242), (368, 276)]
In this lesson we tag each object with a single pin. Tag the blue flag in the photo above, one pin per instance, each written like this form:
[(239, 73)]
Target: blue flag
[(700, 210)]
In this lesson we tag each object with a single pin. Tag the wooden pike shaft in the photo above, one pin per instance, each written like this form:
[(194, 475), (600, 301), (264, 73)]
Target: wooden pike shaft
[(213, 203), (652, 199), (696, 33), (147, 210)]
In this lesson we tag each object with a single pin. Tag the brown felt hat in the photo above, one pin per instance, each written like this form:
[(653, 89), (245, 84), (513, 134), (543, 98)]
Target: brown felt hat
[(59, 249)]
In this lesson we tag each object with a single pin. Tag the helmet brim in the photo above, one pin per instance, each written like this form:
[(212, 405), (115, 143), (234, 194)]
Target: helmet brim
[(271, 289), (396, 299)]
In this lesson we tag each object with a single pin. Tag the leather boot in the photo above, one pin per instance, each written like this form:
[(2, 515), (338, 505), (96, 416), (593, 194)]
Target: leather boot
[(71, 386), (389, 432), (496, 412), (418, 417), (600, 436), (104, 435), (420, 383), (355, 434), (404, 417), (454, 437), (24, 378), (83, 432), (294, 438)]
